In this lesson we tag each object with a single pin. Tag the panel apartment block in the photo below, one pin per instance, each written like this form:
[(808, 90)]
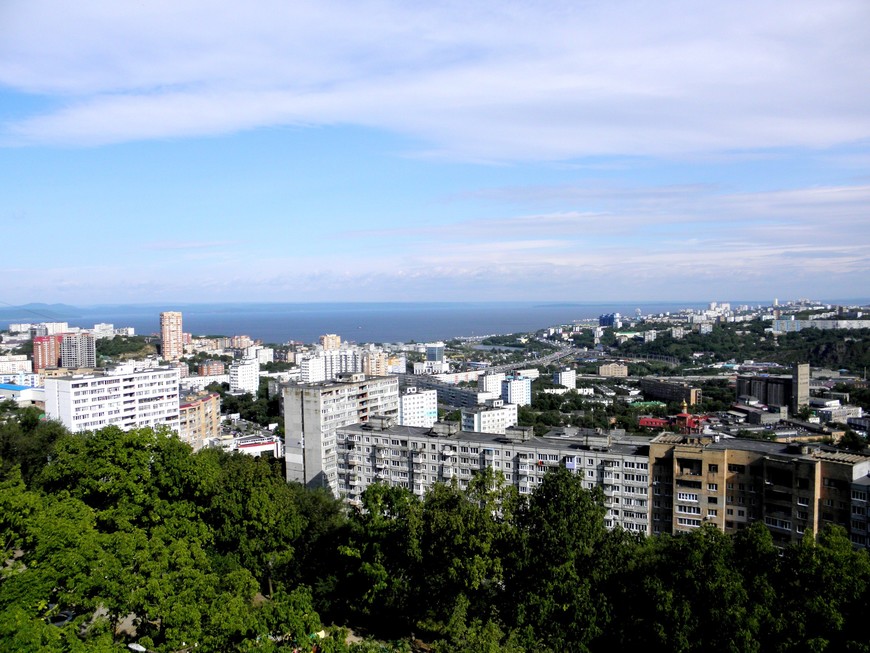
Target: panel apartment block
[(796, 489), (313, 412), (131, 399), (417, 458)]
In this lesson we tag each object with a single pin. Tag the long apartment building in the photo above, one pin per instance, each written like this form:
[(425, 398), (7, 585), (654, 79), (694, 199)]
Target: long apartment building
[(795, 489), (313, 412), (125, 398), (673, 391), (417, 458)]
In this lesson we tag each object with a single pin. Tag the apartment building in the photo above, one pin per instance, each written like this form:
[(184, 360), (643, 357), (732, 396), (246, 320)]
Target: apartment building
[(210, 368), (566, 378), (671, 391), (46, 352), (493, 417), (450, 394), (517, 390), (171, 335), (313, 412), (613, 369), (794, 488), (78, 350), (417, 458), (778, 390), (199, 418), (13, 363), (126, 398), (418, 407), (490, 382), (245, 376)]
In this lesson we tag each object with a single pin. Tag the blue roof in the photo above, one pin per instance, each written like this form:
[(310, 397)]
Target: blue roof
[(13, 386)]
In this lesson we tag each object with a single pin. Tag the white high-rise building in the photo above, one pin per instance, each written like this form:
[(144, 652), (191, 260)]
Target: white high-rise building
[(245, 376), (312, 412), (312, 370), (517, 390), (125, 398), (494, 417), (566, 377), (490, 382), (418, 407)]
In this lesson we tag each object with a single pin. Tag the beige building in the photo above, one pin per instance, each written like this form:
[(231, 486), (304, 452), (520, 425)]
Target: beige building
[(199, 418), (613, 369), (795, 488), (171, 335), (330, 341)]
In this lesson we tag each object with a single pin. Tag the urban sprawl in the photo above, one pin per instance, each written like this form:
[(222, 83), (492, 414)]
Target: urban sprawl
[(676, 428)]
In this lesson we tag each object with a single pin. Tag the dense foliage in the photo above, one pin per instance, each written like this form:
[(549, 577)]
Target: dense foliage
[(123, 347), (115, 537)]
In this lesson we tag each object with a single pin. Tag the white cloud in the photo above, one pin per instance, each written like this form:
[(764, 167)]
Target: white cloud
[(486, 80)]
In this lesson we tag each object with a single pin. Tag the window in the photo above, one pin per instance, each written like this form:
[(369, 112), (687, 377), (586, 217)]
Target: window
[(712, 513), (778, 523), (686, 496), (686, 521), (858, 495), (713, 468), (713, 500), (712, 487), (737, 469), (689, 510)]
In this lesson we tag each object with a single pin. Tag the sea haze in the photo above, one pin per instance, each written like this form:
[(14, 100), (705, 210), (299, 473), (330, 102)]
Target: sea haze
[(357, 322)]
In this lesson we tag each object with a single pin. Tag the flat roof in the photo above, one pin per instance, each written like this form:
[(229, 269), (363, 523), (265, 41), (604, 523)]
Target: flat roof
[(14, 386), (472, 437)]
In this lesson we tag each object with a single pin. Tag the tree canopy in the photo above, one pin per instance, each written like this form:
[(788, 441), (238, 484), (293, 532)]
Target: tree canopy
[(114, 537)]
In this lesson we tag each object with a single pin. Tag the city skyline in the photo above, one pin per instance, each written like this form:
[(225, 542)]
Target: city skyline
[(390, 152)]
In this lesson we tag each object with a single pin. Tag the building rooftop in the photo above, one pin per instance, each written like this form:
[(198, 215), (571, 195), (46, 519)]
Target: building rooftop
[(14, 386), (553, 444)]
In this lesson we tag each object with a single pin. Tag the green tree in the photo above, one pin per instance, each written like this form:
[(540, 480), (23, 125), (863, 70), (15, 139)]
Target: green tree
[(554, 572)]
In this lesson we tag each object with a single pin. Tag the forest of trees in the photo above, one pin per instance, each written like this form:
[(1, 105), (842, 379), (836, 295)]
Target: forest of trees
[(115, 537)]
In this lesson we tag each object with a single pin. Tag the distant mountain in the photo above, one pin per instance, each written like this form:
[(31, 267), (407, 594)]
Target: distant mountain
[(38, 312)]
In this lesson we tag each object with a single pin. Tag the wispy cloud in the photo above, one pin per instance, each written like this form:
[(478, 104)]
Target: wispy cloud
[(481, 81), (187, 244)]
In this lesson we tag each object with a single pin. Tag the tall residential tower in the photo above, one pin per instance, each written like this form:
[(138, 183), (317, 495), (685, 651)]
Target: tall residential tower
[(171, 338)]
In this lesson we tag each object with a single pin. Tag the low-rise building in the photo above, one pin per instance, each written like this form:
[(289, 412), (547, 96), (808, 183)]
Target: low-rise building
[(613, 369)]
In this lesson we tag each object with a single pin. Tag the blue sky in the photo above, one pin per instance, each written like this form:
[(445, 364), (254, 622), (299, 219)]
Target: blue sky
[(378, 150)]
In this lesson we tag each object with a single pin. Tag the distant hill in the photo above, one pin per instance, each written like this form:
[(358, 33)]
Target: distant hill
[(38, 312)]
